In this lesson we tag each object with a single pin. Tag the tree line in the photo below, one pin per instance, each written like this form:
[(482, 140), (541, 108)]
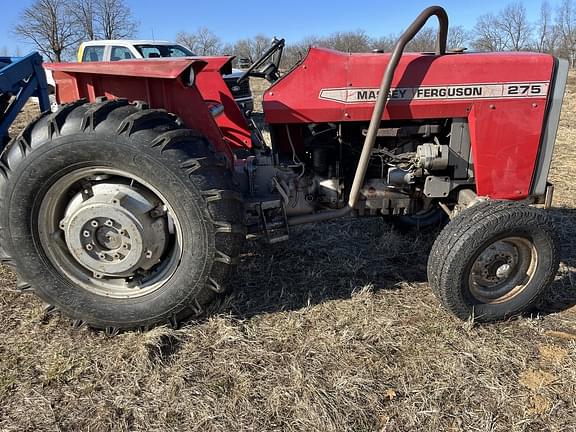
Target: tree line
[(56, 27), (507, 29)]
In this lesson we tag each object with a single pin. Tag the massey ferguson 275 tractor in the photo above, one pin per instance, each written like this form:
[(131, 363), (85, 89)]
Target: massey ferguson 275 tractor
[(129, 206)]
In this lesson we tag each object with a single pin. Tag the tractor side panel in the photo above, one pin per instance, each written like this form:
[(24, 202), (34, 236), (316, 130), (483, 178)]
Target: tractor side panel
[(504, 97), (231, 122), (161, 83)]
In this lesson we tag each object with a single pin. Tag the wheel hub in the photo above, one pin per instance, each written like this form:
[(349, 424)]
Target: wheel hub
[(495, 264), (502, 270), (112, 232), (109, 238)]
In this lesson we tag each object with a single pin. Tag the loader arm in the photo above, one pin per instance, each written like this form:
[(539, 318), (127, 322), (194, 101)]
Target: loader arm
[(21, 78)]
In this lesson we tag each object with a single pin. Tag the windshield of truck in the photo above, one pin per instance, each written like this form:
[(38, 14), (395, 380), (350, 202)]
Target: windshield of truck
[(156, 51)]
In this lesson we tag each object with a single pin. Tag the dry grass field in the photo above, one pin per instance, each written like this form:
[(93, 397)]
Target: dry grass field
[(334, 330)]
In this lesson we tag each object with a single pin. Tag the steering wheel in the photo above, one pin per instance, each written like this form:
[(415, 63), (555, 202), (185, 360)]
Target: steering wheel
[(276, 45)]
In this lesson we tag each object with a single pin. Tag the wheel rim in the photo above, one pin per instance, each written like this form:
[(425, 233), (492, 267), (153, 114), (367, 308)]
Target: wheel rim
[(110, 232), (502, 270)]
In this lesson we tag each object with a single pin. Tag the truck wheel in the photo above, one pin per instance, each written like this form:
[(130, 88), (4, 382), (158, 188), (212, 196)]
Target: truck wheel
[(116, 215), (494, 260)]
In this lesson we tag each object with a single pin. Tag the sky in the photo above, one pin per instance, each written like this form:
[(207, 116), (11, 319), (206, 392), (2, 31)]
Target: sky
[(291, 19)]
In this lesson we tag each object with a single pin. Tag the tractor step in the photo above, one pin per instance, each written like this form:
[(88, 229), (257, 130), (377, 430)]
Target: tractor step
[(267, 220)]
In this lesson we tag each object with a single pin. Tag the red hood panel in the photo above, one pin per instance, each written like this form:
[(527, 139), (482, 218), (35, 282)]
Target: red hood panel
[(503, 96), (325, 72)]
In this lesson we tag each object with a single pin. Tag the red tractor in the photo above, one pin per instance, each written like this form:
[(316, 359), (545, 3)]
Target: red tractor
[(129, 206)]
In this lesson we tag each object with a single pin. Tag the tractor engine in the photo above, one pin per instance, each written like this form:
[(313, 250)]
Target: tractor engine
[(412, 164), (403, 154)]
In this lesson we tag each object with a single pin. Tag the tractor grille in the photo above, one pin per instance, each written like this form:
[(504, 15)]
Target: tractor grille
[(238, 90)]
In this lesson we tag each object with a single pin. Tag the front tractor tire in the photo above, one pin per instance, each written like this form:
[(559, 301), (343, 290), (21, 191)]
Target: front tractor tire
[(117, 216), (494, 261)]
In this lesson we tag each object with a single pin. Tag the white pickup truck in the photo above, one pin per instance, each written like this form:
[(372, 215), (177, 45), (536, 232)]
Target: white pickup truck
[(116, 50)]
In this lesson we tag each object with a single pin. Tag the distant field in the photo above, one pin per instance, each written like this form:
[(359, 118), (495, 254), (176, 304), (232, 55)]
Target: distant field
[(333, 330)]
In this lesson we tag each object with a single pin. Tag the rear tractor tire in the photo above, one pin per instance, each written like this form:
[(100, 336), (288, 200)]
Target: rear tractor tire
[(493, 261), (117, 216)]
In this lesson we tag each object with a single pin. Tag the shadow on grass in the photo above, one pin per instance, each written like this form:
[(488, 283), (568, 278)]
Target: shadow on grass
[(563, 293), (327, 261), (332, 260)]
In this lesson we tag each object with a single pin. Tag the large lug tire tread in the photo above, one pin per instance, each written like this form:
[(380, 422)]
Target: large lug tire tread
[(160, 136), (461, 239)]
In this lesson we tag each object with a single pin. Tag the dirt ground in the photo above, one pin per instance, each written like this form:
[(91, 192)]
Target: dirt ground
[(334, 330)]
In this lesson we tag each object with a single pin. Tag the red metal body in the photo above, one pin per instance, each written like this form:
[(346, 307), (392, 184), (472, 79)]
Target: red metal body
[(505, 131), (163, 84)]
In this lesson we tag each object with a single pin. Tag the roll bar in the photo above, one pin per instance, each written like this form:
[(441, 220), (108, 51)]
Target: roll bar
[(379, 106)]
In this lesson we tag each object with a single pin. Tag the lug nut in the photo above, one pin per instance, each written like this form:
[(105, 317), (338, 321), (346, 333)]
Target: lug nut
[(94, 223), (148, 254), (101, 256), (116, 256), (109, 223), (124, 246), (86, 233), (89, 247)]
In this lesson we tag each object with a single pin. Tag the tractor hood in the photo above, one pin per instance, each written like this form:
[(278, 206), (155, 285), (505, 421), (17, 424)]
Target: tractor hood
[(506, 99), (335, 86)]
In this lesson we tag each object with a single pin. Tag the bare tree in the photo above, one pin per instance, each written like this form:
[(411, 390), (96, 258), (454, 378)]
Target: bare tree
[(384, 43), (546, 31), (488, 34), (252, 49), (508, 30), (424, 41), (349, 41), (47, 24), (513, 22), (84, 12), (113, 19), (227, 49), (458, 37), (202, 42), (295, 52), (292, 55), (566, 25)]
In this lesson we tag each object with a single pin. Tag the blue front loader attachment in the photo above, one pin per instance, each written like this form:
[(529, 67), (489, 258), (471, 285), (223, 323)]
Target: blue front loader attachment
[(20, 79)]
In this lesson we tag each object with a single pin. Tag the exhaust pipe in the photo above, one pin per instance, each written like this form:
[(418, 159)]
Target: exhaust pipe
[(379, 106)]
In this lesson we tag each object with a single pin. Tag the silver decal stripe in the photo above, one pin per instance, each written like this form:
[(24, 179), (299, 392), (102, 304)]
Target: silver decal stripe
[(352, 95), (550, 128)]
